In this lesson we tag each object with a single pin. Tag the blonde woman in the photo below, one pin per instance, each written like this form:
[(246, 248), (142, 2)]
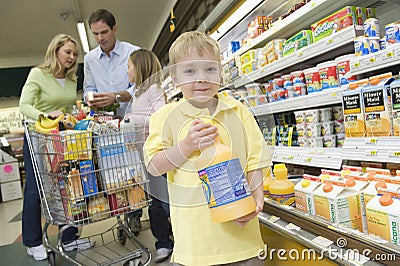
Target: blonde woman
[(49, 88)]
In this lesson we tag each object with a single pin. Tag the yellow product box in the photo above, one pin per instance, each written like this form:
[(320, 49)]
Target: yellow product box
[(248, 56), (395, 98), (304, 193), (359, 183), (353, 113), (334, 202), (383, 216), (377, 111), (249, 67)]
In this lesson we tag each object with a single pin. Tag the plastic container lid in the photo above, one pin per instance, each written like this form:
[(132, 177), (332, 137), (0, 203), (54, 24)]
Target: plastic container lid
[(327, 187), (344, 57), (326, 64), (305, 183), (386, 199), (350, 182), (310, 70), (380, 184)]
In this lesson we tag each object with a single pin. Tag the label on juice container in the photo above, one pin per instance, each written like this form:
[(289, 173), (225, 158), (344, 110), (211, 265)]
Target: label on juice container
[(224, 183), (284, 198)]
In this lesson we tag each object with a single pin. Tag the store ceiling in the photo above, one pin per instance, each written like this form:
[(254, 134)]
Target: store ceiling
[(29, 25)]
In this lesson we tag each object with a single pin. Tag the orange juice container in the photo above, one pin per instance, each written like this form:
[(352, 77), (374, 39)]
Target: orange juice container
[(383, 216), (267, 181), (353, 111), (281, 189), (224, 183), (304, 193)]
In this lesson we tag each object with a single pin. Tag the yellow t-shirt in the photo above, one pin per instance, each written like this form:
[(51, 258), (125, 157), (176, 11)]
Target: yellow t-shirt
[(199, 240)]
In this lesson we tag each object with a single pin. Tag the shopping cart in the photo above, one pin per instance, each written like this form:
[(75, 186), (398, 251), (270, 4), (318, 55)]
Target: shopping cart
[(87, 176)]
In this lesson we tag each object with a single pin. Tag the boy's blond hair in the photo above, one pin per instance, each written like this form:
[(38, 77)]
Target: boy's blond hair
[(193, 42)]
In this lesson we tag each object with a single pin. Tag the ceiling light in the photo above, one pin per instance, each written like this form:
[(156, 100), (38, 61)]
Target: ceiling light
[(83, 36), (236, 17)]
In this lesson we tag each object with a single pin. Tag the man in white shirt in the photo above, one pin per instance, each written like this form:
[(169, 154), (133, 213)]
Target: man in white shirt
[(105, 66), (105, 74)]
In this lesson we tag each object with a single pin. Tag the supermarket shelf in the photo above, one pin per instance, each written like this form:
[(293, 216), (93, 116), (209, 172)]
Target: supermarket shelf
[(315, 157), (379, 60), (317, 99), (304, 16), (315, 232), (375, 149), (321, 47)]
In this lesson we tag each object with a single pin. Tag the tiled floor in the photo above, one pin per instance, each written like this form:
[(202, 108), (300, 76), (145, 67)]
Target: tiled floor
[(12, 252)]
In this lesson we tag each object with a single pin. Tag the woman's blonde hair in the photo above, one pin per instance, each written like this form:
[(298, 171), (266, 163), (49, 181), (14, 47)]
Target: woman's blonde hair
[(51, 64), (193, 42), (147, 70)]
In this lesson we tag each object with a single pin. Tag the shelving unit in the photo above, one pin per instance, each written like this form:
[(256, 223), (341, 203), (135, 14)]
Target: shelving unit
[(319, 234)]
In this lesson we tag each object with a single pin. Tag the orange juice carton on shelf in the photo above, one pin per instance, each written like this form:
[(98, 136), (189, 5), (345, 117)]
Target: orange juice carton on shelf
[(379, 181), (353, 112), (335, 22), (359, 183), (304, 193), (334, 202), (377, 108), (351, 170), (383, 216), (330, 175), (395, 98)]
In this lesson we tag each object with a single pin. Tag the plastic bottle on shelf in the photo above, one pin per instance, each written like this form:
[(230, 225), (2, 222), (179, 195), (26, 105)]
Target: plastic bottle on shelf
[(224, 183), (281, 189)]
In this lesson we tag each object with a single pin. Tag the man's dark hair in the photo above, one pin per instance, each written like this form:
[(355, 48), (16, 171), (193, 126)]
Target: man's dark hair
[(103, 15)]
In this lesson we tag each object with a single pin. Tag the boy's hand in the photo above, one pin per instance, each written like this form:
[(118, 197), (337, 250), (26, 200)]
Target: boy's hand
[(200, 135), (242, 221)]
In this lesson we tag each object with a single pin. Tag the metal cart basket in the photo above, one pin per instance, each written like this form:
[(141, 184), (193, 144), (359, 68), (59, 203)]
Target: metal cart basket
[(86, 176)]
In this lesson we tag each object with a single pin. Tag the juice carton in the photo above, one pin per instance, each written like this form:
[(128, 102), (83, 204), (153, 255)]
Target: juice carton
[(377, 108), (379, 181), (395, 98), (383, 216), (334, 202), (359, 183), (330, 175), (353, 113), (335, 22), (351, 170), (303, 193)]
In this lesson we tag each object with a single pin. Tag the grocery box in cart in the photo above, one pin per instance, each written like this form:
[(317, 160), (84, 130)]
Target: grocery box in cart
[(68, 145)]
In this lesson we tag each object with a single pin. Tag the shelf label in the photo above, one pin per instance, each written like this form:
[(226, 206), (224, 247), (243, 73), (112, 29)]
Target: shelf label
[(322, 241), (308, 159), (291, 226), (356, 64), (371, 141), (299, 53), (329, 41), (394, 154), (371, 153), (370, 61), (389, 55), (288, 157), (273, 218)]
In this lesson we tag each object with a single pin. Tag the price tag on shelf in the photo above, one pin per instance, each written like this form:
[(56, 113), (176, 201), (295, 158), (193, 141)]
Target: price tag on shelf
[(356, 64), (371, 141), (273, 218), (394, 154), (322, 241), (388, 55), (299, 53), (371, 153), (308, 159), (329, 41), (291, 226), (370, 61)]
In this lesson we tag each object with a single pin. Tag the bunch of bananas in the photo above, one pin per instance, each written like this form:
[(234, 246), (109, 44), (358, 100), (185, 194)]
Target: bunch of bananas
[(45, 124)]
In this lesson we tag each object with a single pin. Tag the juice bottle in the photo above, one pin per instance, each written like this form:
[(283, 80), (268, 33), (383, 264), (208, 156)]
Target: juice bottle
[(224, 183), (281, 189), (267, 181)]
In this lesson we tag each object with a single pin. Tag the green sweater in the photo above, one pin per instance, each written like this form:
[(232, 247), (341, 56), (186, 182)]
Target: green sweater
[(42, 94)]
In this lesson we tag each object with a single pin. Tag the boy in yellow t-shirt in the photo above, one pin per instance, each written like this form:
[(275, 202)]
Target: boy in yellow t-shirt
[(178, 134)]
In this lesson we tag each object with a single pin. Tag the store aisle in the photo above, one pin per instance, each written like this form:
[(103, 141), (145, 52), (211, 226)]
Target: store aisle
[(13, 253)]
